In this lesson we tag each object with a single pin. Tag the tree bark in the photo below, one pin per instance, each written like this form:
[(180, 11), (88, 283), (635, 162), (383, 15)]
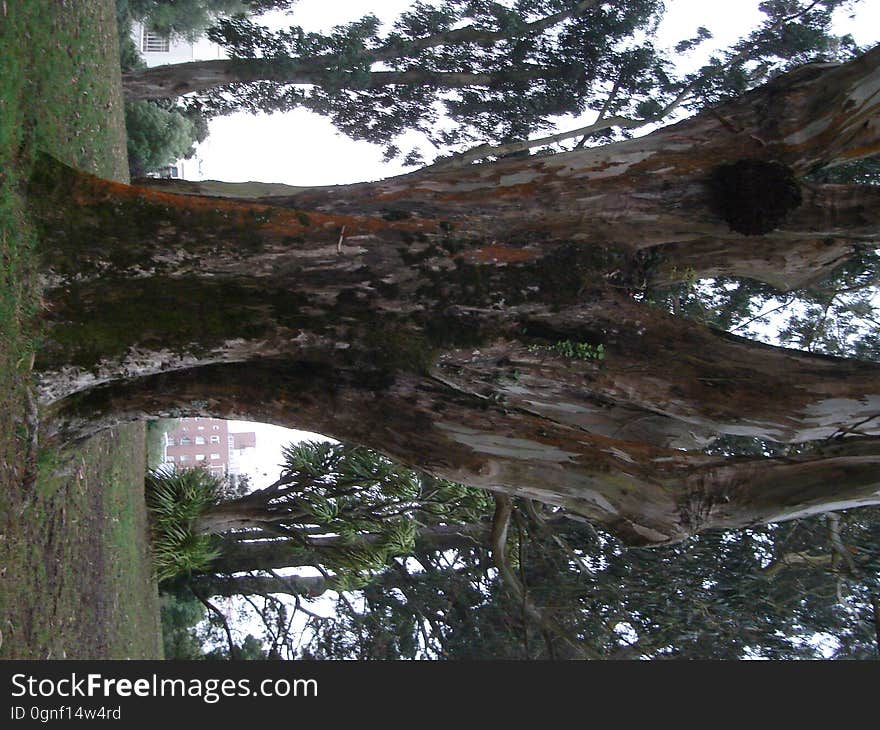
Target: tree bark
[(297, 585), (259, 585), (426, 315), (161, 82)]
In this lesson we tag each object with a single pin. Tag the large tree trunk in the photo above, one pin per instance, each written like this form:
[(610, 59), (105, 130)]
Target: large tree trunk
[(422, 315)]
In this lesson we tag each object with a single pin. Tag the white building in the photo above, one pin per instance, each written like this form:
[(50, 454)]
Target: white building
[(158, 49)]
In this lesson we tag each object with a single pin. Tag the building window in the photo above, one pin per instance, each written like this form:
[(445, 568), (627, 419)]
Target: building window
[(153, 42), (201, 428), (215, 456), (185, 441), (200, 457), (184, 457), (170, 458), (200, 439), (215, 439), (171, 441)]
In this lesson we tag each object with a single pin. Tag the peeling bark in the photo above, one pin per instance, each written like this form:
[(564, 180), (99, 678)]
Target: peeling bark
[(421, 315)]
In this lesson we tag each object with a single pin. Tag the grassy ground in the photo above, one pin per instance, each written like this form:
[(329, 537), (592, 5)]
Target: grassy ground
[(75, 576)]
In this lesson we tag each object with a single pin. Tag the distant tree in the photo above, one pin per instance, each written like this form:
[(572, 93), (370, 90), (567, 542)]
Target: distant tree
[(159, 135), (344, 511), (779, 592), (347, 510), (500, 72), (180, 612), (159, 132)]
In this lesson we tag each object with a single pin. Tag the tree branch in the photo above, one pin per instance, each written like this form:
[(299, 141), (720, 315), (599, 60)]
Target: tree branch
[(498, 539), (234, 653), (833, 521), (600, 124), (472, 34)]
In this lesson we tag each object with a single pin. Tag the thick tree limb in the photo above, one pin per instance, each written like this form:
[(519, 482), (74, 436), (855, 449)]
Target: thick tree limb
[(473, 34)]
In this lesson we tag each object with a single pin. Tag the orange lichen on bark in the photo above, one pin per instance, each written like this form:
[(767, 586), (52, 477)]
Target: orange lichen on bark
[(269, 220)]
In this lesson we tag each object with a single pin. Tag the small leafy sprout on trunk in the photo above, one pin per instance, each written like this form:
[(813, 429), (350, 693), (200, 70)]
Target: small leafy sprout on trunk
[(573, 350)]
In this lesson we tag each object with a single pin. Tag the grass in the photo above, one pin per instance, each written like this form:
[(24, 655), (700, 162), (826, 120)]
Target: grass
[(74, 552)]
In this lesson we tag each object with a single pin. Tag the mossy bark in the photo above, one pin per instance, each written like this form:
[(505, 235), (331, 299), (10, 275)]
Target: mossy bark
[(421, 315)]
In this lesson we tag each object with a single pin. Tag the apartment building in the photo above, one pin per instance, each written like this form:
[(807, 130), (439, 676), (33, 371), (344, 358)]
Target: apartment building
[(206, 443)]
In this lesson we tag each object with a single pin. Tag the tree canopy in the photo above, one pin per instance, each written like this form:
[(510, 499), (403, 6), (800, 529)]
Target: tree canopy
[(462, 72), (553, 588)]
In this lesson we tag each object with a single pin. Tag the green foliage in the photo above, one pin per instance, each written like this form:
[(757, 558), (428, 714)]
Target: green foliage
[(158, 132), (721, 595), (188, 627), (180, 613), (250, 649), (186, 18), (573, 350), (541, 75), (597, 61), (158, 136), (155, 435), (355, 492), (175, 500), (794, 32), (130, 58)]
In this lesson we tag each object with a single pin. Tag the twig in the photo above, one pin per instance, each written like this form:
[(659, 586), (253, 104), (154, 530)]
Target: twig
[(233, 649), (341, 239), (761, 315), (299, 607)]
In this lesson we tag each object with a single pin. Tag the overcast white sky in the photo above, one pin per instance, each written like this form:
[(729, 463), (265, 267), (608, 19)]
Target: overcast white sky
[(300, 148)]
